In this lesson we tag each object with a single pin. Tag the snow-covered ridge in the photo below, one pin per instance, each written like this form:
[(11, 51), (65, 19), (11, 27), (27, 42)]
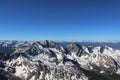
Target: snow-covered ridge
[(48, 60)]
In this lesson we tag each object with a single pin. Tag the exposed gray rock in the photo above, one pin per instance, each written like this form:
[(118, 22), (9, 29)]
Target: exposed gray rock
[(102, 64), (90, 49), (48, 60), (11, 70), (4, 75), (76, 49)]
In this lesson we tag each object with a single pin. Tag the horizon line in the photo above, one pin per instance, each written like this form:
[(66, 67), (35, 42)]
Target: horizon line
[(62, 40)]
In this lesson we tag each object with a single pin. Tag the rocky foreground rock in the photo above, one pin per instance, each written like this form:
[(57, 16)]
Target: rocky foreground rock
[(48, 60)]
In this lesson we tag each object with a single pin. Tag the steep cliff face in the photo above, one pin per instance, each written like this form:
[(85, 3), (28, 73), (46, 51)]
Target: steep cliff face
[(48, 60)]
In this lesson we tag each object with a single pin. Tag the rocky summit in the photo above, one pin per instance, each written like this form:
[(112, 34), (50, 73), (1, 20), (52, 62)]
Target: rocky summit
[(49, 60)]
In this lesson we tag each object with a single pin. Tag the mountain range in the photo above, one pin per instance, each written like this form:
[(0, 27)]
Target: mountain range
[(49, 60)]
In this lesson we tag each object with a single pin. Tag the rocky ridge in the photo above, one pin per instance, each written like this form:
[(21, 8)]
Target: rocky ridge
[(48, 60)]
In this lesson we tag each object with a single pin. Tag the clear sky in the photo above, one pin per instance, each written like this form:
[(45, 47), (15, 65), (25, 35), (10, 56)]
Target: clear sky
[(60, 19)]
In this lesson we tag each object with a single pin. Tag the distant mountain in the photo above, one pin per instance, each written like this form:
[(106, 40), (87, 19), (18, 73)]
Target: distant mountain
[(49, 60), (115, 45)]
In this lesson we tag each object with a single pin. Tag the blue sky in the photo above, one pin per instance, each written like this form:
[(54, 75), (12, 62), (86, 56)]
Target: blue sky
[(60, 19)]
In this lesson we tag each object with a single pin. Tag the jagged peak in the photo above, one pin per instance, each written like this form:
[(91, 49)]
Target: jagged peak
[(48, 60)]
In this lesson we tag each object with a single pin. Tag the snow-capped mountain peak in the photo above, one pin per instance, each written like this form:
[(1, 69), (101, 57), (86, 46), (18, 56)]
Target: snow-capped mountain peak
[(48, 60)]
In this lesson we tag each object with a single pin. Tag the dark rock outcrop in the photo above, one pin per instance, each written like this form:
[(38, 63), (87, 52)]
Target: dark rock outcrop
[(48, 60)]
